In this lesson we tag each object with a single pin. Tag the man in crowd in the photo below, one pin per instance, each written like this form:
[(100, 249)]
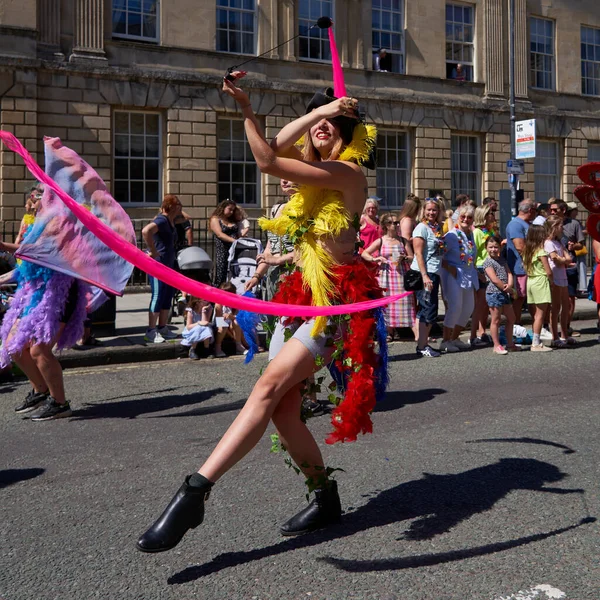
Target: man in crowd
[(516, 232)]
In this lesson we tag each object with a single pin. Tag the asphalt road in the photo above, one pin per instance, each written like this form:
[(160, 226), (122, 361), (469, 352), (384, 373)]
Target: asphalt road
[(480, 481)]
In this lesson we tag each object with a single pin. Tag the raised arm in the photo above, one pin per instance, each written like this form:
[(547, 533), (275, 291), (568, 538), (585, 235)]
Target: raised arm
[(335, 175)]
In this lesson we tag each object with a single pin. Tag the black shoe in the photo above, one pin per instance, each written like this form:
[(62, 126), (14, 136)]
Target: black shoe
[(52, 410), (313, 409), (192, 354), (324, 510), (185, 511), (33, 400)]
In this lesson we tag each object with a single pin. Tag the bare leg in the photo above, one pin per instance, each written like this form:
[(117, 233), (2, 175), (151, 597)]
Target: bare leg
[(295, 435), (456, 331), (564, 312), (494, 325), (163, 317), (510, 322), (50, 368), (556, 298), (152, 319), (26, 363), (424, 330), (447, 333), (288, 369), (518, 308)]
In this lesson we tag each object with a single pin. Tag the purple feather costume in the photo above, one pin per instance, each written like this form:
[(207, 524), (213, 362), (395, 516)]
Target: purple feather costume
[(38, 306)]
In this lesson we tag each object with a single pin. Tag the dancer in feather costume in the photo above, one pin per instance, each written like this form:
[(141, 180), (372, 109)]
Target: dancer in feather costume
[(319, 219)]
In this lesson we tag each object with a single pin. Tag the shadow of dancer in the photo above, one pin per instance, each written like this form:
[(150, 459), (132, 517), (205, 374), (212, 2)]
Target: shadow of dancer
[(396, 400), (12, 476), (131, 409), (437, 502)]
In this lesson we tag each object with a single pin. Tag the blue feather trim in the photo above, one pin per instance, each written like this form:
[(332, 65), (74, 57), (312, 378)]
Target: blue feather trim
[(382, 375), (248, 323)]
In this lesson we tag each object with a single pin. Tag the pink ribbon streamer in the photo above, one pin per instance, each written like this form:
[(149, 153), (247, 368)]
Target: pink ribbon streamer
[(339, 87), (147, 264)]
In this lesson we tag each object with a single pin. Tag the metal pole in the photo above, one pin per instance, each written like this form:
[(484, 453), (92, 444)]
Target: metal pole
[(511, 61)]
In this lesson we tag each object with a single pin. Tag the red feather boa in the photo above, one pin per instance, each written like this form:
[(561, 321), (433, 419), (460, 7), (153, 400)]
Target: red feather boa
[(354, 283)]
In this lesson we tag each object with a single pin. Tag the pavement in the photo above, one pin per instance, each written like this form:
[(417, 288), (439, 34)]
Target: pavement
[(127, 345), (479, 482)]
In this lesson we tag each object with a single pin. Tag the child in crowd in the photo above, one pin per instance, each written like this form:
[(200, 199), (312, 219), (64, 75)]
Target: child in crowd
[(197, 329), (227, 325), (559, 260), (539, 278), (499, 294)]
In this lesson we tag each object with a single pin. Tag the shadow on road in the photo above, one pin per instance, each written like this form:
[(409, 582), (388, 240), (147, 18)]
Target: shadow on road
[(524, 440), (12, 476), (135, 408), (396, 400), (208, 410), (435, 503)]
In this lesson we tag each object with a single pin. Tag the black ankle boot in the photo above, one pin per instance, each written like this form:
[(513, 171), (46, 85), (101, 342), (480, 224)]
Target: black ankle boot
[(324, 510), (185, 511)]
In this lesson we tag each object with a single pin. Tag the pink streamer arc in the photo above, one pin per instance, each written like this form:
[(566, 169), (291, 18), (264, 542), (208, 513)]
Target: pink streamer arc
[(339, 87), (147, 264)]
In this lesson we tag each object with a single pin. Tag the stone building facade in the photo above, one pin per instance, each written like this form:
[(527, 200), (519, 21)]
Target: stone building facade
[(134, 87)]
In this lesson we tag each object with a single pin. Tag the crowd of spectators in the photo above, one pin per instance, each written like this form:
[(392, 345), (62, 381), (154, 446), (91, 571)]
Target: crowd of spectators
[(456, 254)]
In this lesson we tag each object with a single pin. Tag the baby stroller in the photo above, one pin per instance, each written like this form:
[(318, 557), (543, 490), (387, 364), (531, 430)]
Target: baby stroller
[(193, 262), (242, 261)]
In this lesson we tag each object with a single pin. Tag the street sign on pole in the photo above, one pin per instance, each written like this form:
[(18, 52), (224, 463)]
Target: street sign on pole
[(525, 139), (515, 167)]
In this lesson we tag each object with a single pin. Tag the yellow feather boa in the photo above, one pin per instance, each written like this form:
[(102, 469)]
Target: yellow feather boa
[(313, 213)]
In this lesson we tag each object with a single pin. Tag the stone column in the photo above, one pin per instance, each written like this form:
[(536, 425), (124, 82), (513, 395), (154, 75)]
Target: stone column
[(521, 50), (274, 27), (88, 43), (494, 52), (49, 28), (289, 21), (341, 32)]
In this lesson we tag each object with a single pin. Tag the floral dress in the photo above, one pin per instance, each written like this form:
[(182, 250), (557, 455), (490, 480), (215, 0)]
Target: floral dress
[(391, 280), (222, 252)]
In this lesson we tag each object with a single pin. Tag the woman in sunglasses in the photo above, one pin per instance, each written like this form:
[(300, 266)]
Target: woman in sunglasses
[(392, 261)]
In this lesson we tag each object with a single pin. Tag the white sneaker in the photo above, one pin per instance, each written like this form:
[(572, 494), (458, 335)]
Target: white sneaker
[(540, 348), (167, 334), (154, 337), (461, 345), (448, 347), (545, 334)]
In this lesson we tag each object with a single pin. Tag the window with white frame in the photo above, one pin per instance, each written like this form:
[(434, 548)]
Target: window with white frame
[(460, 25), (547, 171), (465, 166), (387, 34), (541, 53), (393, 167), (590, 61), (313, 43), (236, 23), (594, 151), (238, 173), (137, 157), (135, 19)]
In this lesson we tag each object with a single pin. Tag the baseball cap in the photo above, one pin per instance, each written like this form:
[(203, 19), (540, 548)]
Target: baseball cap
[(572, 205)]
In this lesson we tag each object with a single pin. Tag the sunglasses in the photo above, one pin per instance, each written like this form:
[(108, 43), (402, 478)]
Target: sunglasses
[(396, 222), (463, 218), (553, 210)]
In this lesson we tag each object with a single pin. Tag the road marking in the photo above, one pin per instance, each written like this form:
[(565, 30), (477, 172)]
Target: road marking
[(540, 592)]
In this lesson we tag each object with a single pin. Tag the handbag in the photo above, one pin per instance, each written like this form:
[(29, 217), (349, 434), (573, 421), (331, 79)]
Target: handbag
[(413, 281)]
